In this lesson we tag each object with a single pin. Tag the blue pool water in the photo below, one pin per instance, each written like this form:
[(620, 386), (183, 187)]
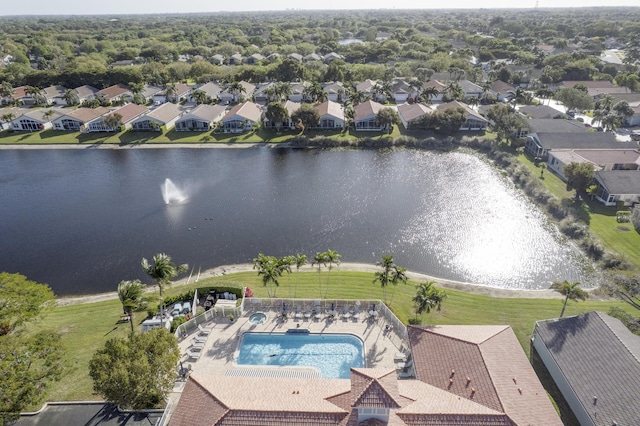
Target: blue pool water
[(332, 354)]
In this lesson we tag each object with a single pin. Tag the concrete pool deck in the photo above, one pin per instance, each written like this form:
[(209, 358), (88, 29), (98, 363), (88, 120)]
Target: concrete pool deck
[(220, 349)]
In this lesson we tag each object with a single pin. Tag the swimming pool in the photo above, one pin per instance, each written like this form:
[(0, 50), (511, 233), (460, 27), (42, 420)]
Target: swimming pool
[(332, 354)]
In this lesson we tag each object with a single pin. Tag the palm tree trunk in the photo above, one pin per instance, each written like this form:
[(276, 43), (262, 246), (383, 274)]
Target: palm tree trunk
[(566, 299), (161, 307), (130, 313)]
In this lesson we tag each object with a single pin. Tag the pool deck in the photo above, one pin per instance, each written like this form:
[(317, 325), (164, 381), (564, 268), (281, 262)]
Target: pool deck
[(220, 349)]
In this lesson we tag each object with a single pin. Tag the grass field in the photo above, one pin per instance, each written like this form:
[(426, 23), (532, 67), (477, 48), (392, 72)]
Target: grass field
[(85, 327), (617, 237)]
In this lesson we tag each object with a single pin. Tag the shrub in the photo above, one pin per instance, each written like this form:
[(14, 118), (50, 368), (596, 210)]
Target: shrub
[(635, 218), (556, 209), (573, 229), (615, 261), (592, 247), (177, 321)]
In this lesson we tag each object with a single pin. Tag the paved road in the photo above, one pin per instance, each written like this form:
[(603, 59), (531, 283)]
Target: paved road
[(87, 414)]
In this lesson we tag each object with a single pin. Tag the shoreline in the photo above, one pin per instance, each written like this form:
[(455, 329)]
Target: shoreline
[(191, 145), (346, 266)]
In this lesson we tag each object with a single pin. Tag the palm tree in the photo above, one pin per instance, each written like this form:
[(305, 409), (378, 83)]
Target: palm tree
[(162, 271), (356, 97), (284, 263), (130, 295), (316, 93), (332, 257), (283, 90), (427, 298), (416, 85), (570, 291), (455, 91), (35, 92), (6, 90), (391, 273), (136, 88), (169, 91), (320, 259), (269, 269), (299, 260), (429, 93), (8, 117), (236, 88), (113, 121), (70, 97), (199, 96)]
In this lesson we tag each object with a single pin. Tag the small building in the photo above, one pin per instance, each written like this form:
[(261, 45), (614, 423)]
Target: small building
[(291, 107), (217, 59), (331, 115), (156, 322), (473, 119), (440, 88), (211, 89), (242, 117), (77, 119), (165, 116), (230, 96), (595, 362), (295, 56), (34, 120), (86, 93), (254, 59), (235, 59), (298, 91), (127, 114), (117, 92), (149, 91), (335, 91), (540, 112), (539, 144), (501, 90), (201, 119), (54, 95), (411, 112), (618, 185), (601, 159), (365, 116)]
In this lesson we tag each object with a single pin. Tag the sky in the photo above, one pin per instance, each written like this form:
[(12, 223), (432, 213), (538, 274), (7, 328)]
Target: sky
[(108, 7)]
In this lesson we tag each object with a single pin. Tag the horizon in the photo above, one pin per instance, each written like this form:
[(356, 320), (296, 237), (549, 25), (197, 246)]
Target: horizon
[(166, 7)]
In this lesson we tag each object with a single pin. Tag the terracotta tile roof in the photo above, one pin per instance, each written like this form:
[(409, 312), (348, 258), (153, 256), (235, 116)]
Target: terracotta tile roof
[(500, 86), (331, 108), (483, 364), (435, 83), (85, 115), (198, 405), (19, 92), (366, 109), (130, 111), (292, 107), (412, 111), (374, 388), (114, 91)]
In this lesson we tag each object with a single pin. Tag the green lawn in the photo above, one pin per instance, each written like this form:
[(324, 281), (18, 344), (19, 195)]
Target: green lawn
[(86, 327), (617, 237)]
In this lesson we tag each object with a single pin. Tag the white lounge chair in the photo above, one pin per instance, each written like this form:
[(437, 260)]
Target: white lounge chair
[(356, 313), (298, 313), (200, 339), (345, 312), (193, 354), (307, 312), (197, 343), (204, 330), (403, 365)]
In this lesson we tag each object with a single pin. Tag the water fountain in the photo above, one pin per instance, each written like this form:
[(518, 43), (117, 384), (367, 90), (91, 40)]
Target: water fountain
[(171, 193)]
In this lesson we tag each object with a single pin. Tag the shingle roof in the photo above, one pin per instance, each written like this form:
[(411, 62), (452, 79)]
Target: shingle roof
[(620, 181), (484, 364), (467, 109), (87, 114), (365, 86), (53, 91), (86, 91), (292, 107), (500, 86), (556, 126), (165, 112), (589, 140), (130, 111), (333, 87), (39, 115), (599, 357), (412, 111), (539, 111), (331, 108), (246, 110), (205, 112)]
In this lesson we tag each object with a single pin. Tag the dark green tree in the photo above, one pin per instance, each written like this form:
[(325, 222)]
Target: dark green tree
[(277, 114), (162, 271), (386, 118), (130, 295), (21, 301), (579, 176), (307, 115)]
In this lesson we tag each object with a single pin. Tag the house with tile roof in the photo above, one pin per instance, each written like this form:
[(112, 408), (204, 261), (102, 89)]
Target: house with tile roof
[(54, 95), (366, 87), (115, 93), (33, 120), (21, 97), (298, 90), (182, 92), (493, 385), (211, 89), (618, 185), (410, 112), (261, 93), (540, 112), (473, 119), (291, 107), (595, 362), (149, 91), (600, 159), (86, 93), (331, 115), (595, 88), (127, 113), (165, 116), (335, 91), (201, 119), (227, 96), (77, 119), (365, 116), (242, 117), (501, 90), (401, 91), (540, 143)]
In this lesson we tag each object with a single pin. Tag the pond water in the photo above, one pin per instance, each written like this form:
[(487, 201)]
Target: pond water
[(81, 220)]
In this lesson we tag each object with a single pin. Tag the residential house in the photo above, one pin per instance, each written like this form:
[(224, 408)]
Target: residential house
[(182, 92), (601, 159), (242, 117), (116, 93), (330, 57), (54, 95), (595, 362), (76, 120), (549, 125), (595, 88), (149, 91), (34, 120), (291, 107), (634, 120), (21, 98), (128, 114), (254, 59), (540, 112), (501, 90), (217, 59), (86, 93), (331, 115), (211, 89), (165, 116), (365, 116), (401, 91), (411, 112), (312, 57), (471, 90), (201, 119), (295, 56), (260, 95), (539, 144), (618, 185), (230, 97), (235, 59), (366, 87), (440, 87), (475, 375), (335, 91), (474, 121), (298, 91), (273, 57)]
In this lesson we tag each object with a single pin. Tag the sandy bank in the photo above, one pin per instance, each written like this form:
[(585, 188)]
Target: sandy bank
[(362, 267)]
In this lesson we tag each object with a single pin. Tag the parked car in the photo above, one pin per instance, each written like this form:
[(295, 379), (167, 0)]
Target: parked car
[(635, 136), (186, 307), (177, 310)]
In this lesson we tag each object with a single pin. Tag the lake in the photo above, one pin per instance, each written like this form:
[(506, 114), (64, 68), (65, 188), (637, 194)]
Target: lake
[(81, 220)]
